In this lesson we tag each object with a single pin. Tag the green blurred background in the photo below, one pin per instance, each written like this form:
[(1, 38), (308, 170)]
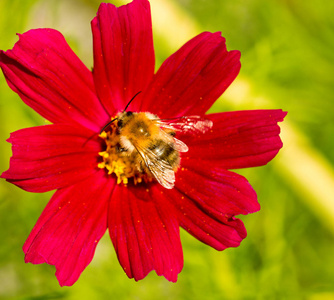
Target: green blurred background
[(287, 59)]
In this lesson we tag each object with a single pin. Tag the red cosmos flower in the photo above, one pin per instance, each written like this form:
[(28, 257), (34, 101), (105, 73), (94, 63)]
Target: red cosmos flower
[(143, 219)]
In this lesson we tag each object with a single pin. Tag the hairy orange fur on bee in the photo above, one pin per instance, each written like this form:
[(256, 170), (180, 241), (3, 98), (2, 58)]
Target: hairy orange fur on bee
[(148, 144)]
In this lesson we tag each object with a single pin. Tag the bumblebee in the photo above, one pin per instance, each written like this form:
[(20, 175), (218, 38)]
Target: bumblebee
[(141, 145), (151, 144)]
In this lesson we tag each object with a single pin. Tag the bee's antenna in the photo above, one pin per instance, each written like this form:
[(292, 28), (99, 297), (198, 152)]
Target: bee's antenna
[(107, 125), (131, 101), (123, 111)]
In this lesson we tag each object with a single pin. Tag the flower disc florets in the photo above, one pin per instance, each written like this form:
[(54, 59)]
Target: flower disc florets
[(119, 161)]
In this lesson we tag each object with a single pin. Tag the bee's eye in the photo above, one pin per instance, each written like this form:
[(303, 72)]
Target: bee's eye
[(120, 123), (129, 113)]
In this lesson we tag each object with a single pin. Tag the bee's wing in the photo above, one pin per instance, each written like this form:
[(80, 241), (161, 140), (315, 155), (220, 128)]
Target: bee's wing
[(187, 124), (180, 146), (160, 169), (177, 144)]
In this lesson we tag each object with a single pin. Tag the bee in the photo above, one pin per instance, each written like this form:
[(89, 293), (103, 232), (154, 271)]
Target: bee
[(150, 142)]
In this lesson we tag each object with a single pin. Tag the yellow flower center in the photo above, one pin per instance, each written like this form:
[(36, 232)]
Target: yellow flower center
[(120, 162)]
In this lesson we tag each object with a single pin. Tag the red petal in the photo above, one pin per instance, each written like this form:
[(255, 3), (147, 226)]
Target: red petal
[(193, 78), (123, 53), (239, 139), (52, 80), (67, 232), (51, 157), (218, 233), (216, 191), (145, 233)]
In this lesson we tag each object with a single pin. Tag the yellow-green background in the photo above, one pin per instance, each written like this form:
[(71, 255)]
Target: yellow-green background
[(287, 59)]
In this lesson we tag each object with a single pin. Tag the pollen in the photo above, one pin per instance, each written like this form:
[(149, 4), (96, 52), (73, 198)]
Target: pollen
[(118, 161)]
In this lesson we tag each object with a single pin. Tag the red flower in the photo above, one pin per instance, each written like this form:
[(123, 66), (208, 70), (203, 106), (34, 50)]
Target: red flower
[(144, 218)]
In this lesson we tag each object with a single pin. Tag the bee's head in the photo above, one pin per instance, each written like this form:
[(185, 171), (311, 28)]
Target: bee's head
[(122, 115), (123, 118)]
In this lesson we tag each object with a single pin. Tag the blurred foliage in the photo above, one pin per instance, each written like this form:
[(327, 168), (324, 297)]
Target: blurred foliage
[(287, 51)]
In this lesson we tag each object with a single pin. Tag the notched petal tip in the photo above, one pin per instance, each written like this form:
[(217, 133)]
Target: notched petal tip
[(193, 78), (52, 80), (123, 48), (282, 115), (68, 230), (50, 157), (240, 139), (218, 231), (145, 234)]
